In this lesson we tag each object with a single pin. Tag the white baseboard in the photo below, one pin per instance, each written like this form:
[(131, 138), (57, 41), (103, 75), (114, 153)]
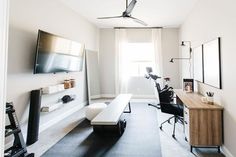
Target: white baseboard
[(133, 97), (226, 151), (95, 96), (143, 97), (108, 95)]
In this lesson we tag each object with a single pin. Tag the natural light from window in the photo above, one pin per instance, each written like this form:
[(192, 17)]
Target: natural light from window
[(136, 57)]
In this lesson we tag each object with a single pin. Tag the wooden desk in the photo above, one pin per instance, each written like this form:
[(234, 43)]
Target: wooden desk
[(203, 123)]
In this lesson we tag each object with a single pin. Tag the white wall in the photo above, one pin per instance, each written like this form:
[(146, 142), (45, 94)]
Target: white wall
[(26, 17), (138, 85), (107, 62), (170, 49), (208, 20)]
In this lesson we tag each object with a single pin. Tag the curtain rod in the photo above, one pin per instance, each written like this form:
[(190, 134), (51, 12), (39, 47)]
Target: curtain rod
[(138, 27)]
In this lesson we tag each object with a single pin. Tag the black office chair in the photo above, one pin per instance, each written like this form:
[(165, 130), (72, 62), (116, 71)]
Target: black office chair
[(166, 97), (165, 93), (167, 106), (176, 110)]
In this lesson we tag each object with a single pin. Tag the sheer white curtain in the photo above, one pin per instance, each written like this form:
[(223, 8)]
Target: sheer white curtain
[(156, 40), (121, 80), (122, 75)]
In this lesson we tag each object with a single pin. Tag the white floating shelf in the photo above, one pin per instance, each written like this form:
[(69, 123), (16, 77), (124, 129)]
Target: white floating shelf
[(51, 107), (53, 89)]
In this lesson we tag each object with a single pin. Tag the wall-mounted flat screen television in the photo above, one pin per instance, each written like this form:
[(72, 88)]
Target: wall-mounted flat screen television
[(56, 54)]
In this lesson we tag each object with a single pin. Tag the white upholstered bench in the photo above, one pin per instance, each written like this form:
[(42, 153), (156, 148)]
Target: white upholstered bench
[(93, 110), (109, 119)]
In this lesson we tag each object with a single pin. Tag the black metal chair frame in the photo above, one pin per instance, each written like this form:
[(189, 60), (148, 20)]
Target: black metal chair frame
[(176, 118), (166, 96)]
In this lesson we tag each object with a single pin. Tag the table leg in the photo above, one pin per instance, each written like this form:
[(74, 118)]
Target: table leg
[(129, 111)]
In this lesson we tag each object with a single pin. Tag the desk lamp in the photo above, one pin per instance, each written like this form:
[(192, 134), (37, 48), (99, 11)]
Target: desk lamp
[(190, 52)]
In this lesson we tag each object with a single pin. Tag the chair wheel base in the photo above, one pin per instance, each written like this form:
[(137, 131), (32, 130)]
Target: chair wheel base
[(30, 155)]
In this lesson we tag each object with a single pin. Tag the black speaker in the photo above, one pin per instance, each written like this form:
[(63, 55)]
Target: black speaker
[(34, 116)]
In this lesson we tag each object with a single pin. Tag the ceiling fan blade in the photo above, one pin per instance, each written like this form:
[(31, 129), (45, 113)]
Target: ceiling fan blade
[(130, 7), (111, 17), (139, 21)]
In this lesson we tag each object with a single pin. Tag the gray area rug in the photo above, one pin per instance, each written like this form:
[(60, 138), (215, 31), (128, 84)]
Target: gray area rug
[(140, 139)]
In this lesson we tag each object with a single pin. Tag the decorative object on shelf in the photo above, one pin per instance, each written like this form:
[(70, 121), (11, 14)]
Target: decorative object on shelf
[(51, 107), (67, 98), (188, 85), (72, 83), (204, 99), (210, 98), (67, 84)]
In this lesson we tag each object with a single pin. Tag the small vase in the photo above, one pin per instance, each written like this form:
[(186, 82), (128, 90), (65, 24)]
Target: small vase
[(210, 100)]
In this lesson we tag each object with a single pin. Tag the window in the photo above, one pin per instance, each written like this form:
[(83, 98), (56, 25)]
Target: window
[(136, 57)]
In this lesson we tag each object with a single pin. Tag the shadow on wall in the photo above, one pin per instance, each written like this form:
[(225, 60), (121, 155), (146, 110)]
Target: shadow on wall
[(21, 52), (23, 111)]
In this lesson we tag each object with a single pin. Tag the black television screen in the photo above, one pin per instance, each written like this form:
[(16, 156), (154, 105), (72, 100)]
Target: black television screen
[(56, 54)]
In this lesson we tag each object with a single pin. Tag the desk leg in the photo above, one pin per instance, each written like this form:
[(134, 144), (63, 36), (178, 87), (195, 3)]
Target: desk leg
[(129, 111)]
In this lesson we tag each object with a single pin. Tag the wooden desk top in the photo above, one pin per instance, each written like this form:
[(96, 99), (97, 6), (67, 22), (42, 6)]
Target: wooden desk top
[(193, 100)]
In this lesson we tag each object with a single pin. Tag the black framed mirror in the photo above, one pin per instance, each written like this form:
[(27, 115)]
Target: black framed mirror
[(212, 63)]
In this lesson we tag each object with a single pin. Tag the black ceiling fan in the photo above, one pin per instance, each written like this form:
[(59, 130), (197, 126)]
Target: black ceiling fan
[(127, 13)]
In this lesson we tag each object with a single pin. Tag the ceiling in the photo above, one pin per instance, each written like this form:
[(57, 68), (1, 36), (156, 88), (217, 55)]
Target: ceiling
[(156, 13)]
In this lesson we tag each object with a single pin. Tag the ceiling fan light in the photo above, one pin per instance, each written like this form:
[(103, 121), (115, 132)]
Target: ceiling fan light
[(127, 13)]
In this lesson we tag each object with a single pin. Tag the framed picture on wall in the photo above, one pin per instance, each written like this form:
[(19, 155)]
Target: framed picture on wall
[(198, 64), (212, 63)]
